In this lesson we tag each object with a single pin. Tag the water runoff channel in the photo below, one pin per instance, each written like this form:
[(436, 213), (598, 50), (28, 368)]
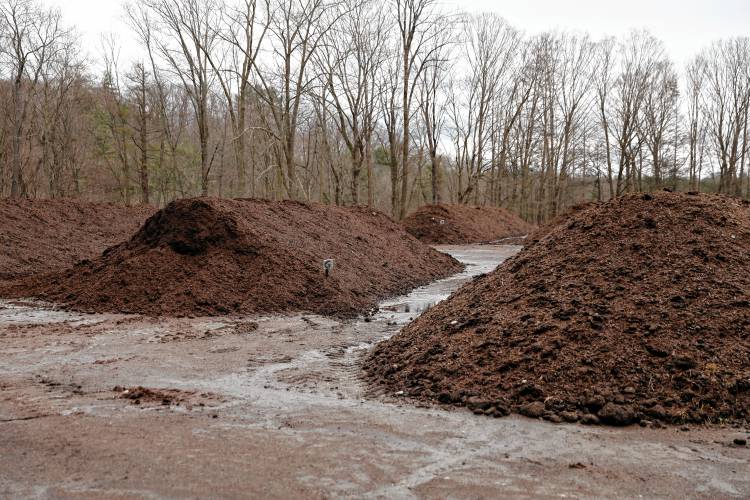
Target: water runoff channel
[(479, 260)]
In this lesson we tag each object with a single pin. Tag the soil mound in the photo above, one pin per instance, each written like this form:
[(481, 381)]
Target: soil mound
[(461, 224), (216, 257), (39, 236), (633, 310), (561, 219)]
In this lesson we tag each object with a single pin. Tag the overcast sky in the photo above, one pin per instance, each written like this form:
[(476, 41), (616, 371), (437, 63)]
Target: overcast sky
[(685, 26)]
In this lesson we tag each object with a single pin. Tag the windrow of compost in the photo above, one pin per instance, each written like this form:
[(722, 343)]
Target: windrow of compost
[(38, 236), (462, 224), (632, 310), (217, 257)]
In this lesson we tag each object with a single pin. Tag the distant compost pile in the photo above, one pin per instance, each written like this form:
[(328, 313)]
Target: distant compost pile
[(461, 224), (633, 310), (38, 236), (216, 257)]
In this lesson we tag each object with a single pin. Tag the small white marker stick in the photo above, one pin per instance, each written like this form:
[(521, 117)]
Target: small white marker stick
[(328, 266)]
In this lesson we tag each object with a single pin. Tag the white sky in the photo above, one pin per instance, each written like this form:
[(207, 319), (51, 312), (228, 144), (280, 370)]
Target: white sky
[(685, 26)]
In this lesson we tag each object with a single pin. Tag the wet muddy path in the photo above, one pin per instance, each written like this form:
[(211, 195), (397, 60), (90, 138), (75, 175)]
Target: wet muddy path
[(273, 406)]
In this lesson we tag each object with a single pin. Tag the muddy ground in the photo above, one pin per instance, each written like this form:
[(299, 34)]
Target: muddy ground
[(114, 406)]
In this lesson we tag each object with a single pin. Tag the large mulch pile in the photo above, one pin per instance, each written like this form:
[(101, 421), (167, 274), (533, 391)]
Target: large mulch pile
[(38, 236), (462, 224), (633, 310), (216, 257)]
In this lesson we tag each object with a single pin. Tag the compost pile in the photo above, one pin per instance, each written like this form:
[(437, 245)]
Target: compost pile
[(461, 224), (38, 236), (633, 310), (216, 257)]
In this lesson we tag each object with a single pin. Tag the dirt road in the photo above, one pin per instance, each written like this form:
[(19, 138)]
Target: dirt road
[(274, 407)]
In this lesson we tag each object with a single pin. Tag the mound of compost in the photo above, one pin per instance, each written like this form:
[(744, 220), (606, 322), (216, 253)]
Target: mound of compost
[(216, 257), (40, 236), (543, 230), (633, 310), (462, 224)]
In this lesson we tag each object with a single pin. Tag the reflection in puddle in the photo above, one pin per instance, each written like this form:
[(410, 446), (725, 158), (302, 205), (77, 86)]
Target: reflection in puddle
[(410, 307), (479, 259)]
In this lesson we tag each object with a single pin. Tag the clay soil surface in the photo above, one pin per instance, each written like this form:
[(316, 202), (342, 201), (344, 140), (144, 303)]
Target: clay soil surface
[(213, 257), (462, 224), (118, 406), (38, 236), (632, 311)]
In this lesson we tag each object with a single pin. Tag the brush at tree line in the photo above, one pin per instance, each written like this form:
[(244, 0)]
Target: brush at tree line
[(388, 103)]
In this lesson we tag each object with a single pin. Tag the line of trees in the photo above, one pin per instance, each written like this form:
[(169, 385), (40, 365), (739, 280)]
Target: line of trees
[(389, 103)]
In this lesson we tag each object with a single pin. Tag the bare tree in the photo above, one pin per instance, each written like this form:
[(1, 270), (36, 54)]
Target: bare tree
[(507, 113), (113, 136), (32, 38), (184, 34), (169, 104), (139, 79), (242, 31), (349, 62), (659, 120), (59, 98), (297, 29), (573, 77), (623, 88), (696, 134), (415, 20), (726, 98), (432, 102), (390, 113), (490, 51)]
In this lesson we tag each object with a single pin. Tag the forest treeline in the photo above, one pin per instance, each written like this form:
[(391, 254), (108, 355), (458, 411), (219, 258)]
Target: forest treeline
[(389, 103)]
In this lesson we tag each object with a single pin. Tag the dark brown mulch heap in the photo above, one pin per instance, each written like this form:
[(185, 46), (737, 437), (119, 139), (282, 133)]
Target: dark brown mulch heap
[(462, 224), (633, 310), (217, 257), (38, 236)]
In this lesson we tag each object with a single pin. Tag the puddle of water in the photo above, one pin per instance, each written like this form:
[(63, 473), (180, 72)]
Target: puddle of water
[(479, 259), (37, 312)]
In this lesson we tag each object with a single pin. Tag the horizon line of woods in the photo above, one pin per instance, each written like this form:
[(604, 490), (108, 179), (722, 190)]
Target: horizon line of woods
[(389, 103)]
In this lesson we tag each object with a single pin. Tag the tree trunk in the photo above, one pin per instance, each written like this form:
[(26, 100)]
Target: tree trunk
[(145, 195), (17, 189), (368, 163), (356, 169), (239, 147), (203, 132)]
